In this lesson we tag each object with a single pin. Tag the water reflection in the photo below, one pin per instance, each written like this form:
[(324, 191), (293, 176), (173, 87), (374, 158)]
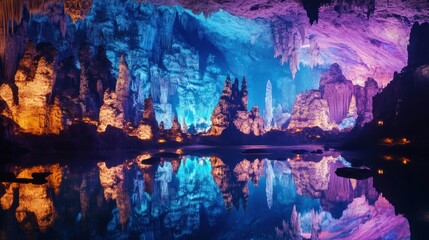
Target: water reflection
[(172, 196)]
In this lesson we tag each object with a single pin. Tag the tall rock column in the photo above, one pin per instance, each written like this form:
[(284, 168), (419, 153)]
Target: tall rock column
[(88, 95), (123, 87), (244, 93), (338, 91), (268, 112)]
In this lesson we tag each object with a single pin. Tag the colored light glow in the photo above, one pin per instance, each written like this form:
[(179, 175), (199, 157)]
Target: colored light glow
[(404, 141), (388, 157), (405, 160), (380, 123), (380, 171), (161, 140), (388, 141)]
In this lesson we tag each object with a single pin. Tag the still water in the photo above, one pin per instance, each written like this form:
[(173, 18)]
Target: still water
[(203, 194)]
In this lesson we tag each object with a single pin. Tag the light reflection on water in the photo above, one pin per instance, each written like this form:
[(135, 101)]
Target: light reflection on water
[(202, 198)]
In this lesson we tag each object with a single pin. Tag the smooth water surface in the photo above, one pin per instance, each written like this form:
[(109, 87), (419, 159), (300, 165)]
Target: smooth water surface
[(202, 194)]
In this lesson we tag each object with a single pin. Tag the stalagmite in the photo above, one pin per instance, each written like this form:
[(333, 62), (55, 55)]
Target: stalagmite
[(268, 112)]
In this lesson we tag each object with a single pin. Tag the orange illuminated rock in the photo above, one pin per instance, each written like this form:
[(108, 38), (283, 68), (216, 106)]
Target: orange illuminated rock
[(310, 110), (77, 9), (34, 200), (34, 110), (111, 112), (113, 182)]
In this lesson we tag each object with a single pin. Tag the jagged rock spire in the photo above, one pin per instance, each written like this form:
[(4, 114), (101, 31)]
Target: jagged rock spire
[(123, 86), (244, 93)]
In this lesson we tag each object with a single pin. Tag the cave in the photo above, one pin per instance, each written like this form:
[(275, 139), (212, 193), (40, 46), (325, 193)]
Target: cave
[(216, 119)]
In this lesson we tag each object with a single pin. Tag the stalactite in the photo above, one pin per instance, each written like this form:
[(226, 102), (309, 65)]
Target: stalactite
[(287, 41)]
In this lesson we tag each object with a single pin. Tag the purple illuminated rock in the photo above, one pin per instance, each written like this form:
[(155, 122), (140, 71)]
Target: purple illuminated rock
[(364, 102), (338, 91)]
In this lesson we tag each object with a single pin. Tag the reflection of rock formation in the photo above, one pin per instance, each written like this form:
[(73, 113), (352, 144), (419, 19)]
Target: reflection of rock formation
[(311, 178), (33, 108), (361, 220), (114, 185), (163, 177), (269, 176), (221, 175), (35, 201)]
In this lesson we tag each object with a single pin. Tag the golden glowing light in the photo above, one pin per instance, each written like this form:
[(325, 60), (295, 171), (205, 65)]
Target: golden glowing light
[(404, 141), (405, 160), (161, 140), (380, 171), (380, 123), (388, 141), (179, 139), (179, 151), (298, 157), (388, 157), (297, 130)]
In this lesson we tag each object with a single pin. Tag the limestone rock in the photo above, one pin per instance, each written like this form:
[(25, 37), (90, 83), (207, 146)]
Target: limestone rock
[(310, 110), (111, 112), (88, 94), (148, 127), (77, 9), (364, 96), (338, 91), (113, 182), (250, 122), (34, 200), (122, 88), (33, 108), (232, 104), (268, 112)]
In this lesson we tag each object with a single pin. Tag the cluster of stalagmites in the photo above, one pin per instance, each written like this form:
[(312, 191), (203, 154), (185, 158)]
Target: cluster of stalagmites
[(231, 111), (336, 104), (47, 96)]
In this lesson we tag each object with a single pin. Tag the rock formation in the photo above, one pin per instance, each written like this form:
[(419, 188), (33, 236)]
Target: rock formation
[(36, 208), (337, 91), (250, 122), (115, 108), (33, 108), (77, 9), (364, 96), (336, 104), (231, 111), (310, 110), (122, 88), (111, 112), (88, 94), (148, 127), (268, 112), (113, 182)]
